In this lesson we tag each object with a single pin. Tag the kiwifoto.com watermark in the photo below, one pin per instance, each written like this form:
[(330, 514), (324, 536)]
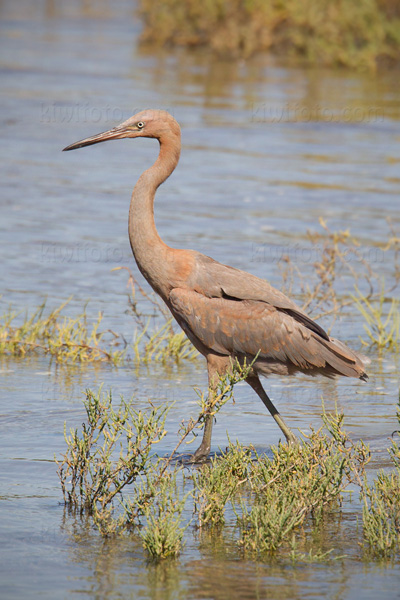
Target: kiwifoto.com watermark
[(296, 112), (87, 113), (83, 253), (267, 253)]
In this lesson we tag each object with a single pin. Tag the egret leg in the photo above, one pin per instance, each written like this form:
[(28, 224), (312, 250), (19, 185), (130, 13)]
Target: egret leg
[(255, 383), (203, 450), (216, 367)]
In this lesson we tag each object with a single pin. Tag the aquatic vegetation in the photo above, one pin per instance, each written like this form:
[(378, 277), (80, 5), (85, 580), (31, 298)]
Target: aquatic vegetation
[(381, 508), (356, 34), (115, 449), (73, 339), (381, 515), (163, 345), (217, 482), (299, 482), (92, 472), (64, 338), (311, 556), (112, 474), (383, 329), (163, 533)]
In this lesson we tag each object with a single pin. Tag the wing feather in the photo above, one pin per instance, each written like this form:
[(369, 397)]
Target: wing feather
[(216, 280), (252, 327)]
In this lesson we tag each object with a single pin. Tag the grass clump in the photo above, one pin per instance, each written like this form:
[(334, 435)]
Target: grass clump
[(64, 338), (72, 339), (381, 508), (297, 483), (113, 457), (356, 33), (162, 343), (217, 482), (112, 451), (163, 534), (382, 328), (287, 501)]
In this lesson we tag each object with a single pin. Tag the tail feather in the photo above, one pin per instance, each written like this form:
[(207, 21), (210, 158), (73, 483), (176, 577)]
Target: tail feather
[(344, 360)]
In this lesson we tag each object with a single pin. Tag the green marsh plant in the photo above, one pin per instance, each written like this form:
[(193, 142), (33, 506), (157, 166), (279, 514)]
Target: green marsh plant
[(113, 458), (382, 327), (299, 482), (282, 502), (80, 339), (163, 533), (64, 338), (381, 507), (358, 34), (113, 449), (217, 482)]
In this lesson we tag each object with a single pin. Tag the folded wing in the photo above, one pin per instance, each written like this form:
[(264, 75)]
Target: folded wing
[(232, 326)]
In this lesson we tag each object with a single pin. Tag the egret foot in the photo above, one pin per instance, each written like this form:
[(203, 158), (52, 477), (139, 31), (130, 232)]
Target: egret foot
[(203, 450), (201, 454), (292, 440)]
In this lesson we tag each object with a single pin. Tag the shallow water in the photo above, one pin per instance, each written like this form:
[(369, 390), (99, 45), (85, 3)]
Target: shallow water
[(267, 150)]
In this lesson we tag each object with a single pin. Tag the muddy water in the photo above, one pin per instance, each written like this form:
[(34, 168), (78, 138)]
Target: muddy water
[(267, 150)]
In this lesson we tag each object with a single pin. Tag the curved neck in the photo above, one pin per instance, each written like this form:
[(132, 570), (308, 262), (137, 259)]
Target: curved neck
[(149, 250)]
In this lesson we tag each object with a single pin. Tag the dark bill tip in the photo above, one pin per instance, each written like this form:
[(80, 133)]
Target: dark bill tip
[(71, 147), (112, 134), (80, 144)]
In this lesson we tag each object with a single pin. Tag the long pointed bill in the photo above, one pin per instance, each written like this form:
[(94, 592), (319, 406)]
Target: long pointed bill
[(116, 133)]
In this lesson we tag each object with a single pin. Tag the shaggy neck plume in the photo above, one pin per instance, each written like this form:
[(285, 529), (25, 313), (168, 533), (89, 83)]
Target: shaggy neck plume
[(150, 252)]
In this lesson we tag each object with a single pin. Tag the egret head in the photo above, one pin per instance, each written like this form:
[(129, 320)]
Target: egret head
[(157, 124)]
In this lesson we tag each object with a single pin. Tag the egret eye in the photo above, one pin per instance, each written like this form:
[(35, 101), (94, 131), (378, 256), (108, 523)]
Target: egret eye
[(140, 125)]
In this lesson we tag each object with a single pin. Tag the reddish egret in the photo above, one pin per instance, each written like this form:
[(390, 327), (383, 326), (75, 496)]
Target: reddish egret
[(226, 313)]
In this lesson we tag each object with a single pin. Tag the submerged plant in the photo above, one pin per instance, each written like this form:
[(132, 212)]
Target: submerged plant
[(163, 345), (312, 556), (382, 327), (65, 338), (163, 533), (112, 451), (298, 482), (381, 508), (217, 482)]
